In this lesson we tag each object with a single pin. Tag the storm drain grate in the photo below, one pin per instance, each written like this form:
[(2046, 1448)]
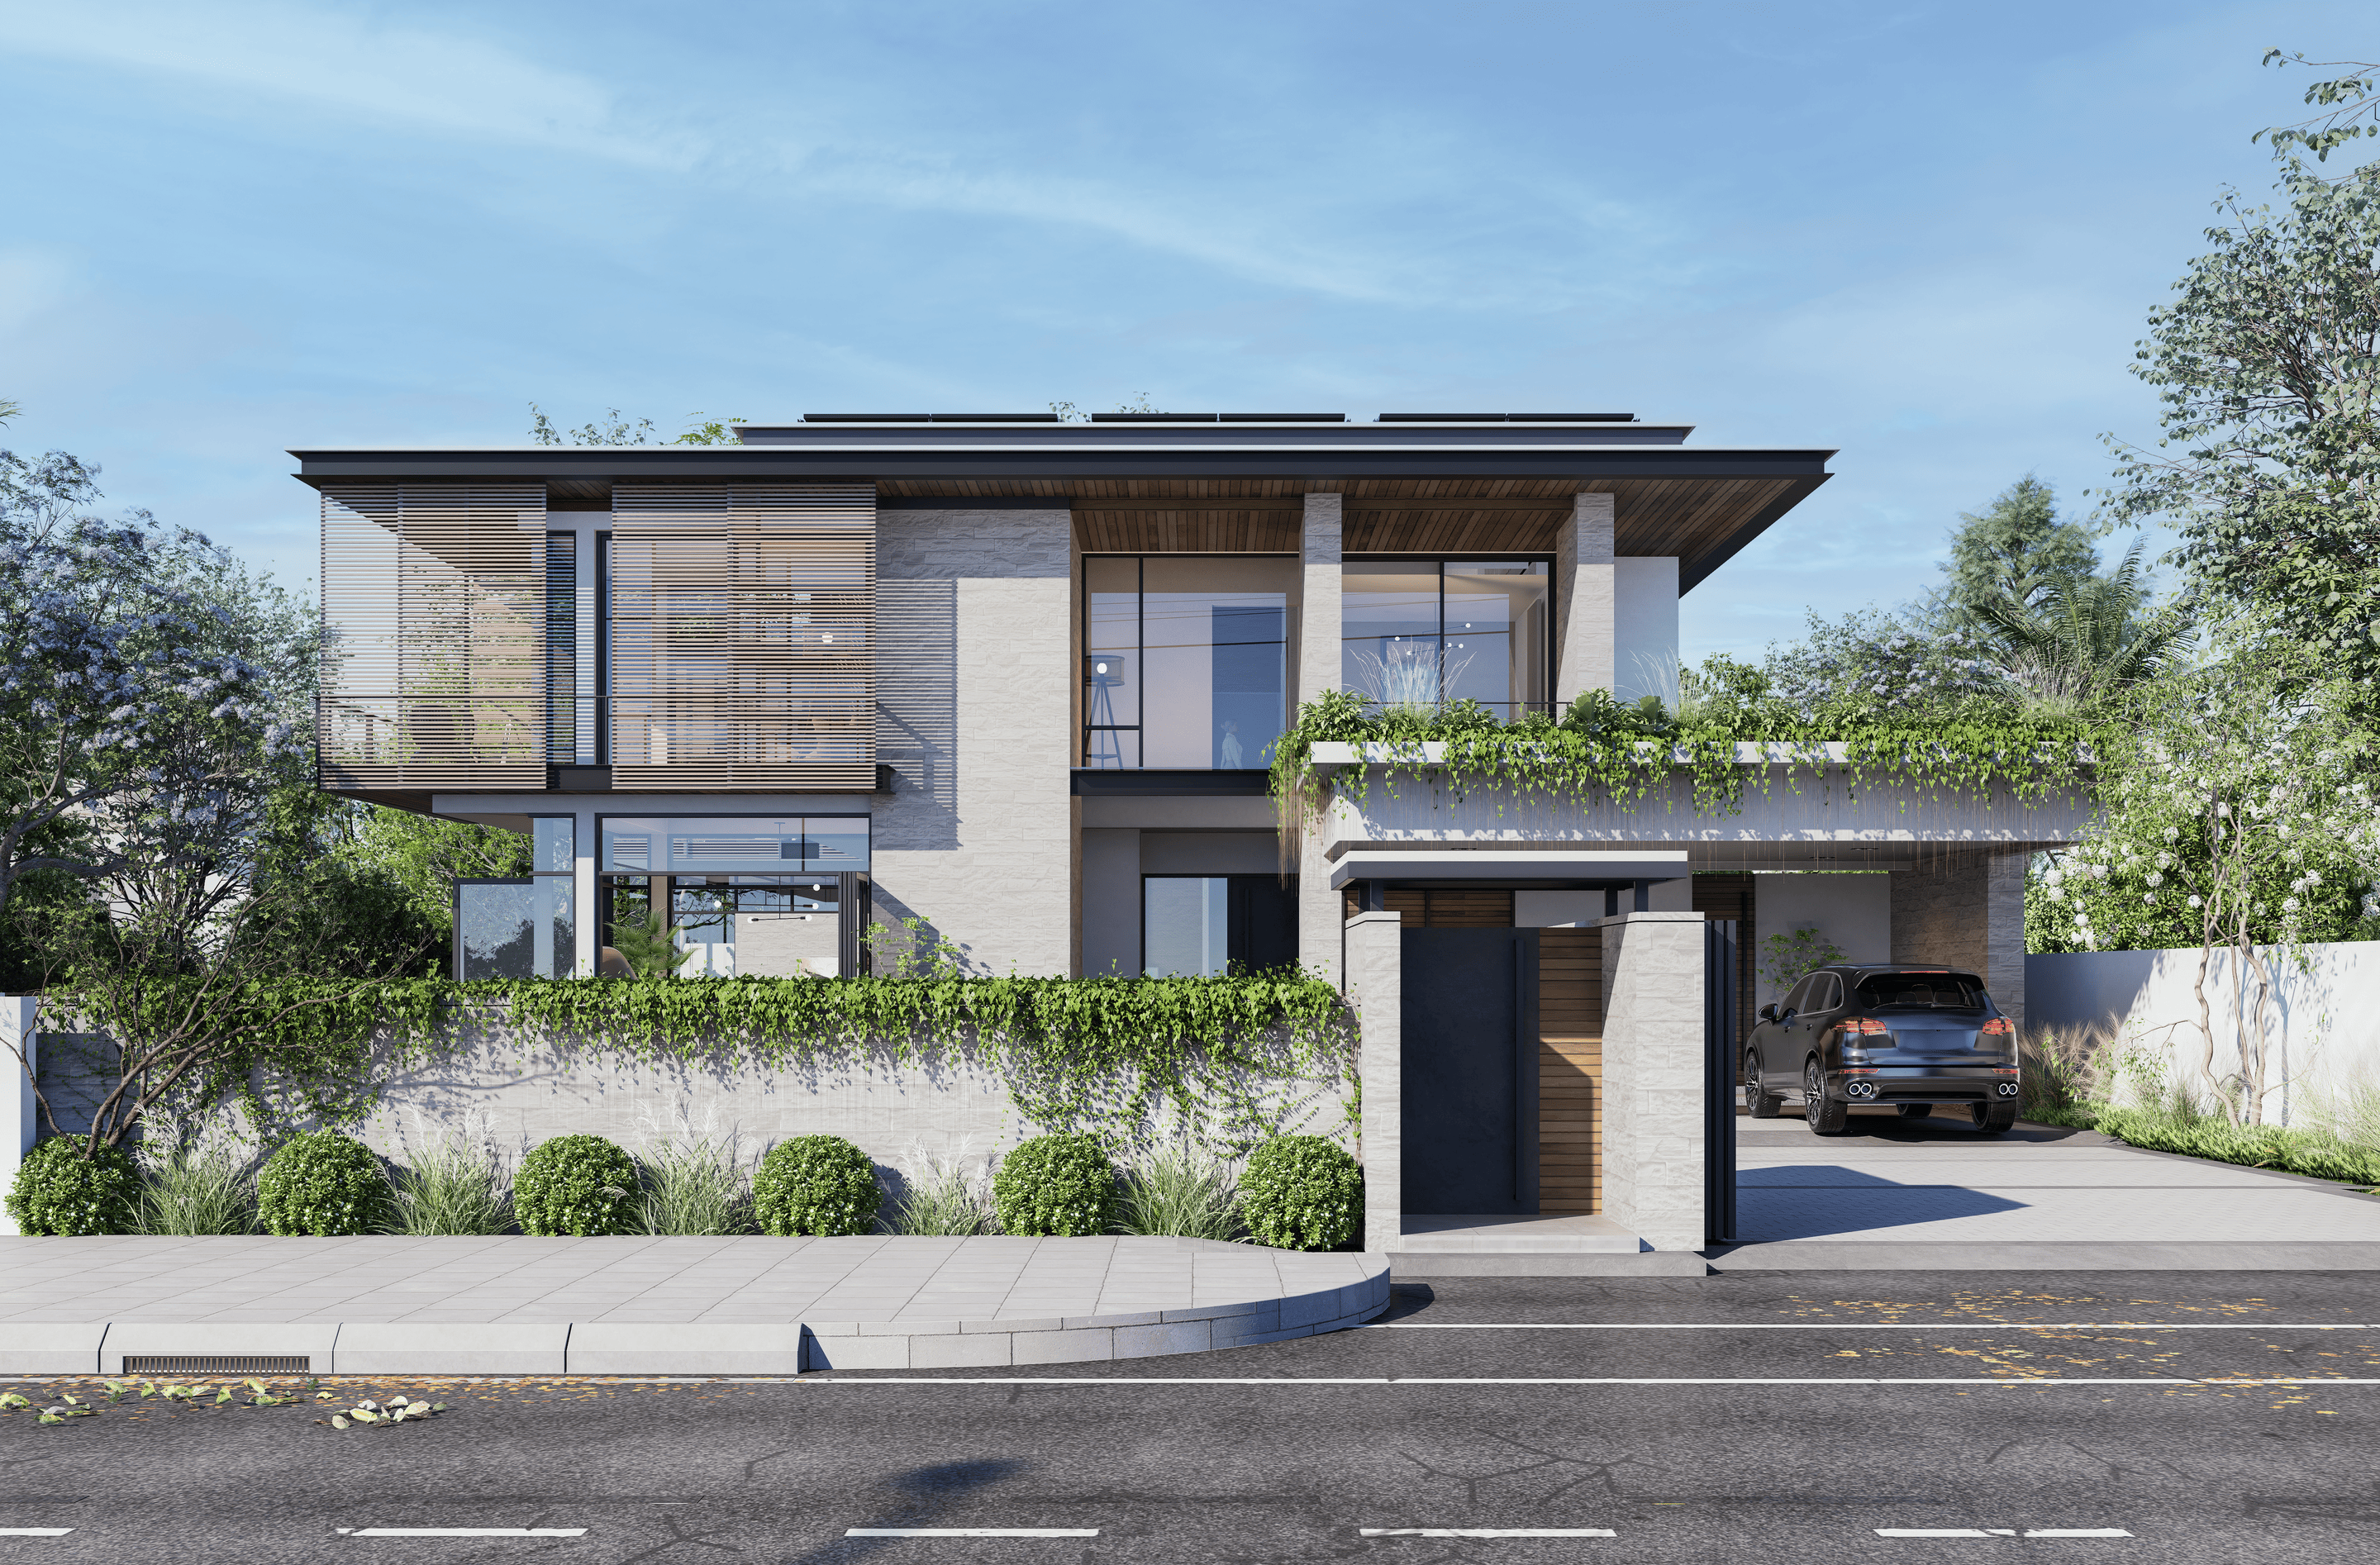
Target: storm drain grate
[(218, 1364)]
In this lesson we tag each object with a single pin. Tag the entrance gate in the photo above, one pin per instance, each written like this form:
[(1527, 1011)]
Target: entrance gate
[(1720, 1058), (1469, 1073)]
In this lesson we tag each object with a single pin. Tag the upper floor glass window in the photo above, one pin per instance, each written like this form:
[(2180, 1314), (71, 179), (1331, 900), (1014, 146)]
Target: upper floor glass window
[(1187, 659), (1420, 633)]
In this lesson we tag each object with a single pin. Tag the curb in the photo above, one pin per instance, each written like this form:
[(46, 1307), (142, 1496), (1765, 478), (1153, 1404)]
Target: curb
[(688, 1347)]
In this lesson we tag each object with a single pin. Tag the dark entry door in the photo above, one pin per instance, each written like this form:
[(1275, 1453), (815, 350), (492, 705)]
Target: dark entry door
[(1470, 1077)]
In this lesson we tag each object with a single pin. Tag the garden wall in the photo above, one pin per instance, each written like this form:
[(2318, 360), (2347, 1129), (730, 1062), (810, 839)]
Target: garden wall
[(512, 1089), (2323, 1021)]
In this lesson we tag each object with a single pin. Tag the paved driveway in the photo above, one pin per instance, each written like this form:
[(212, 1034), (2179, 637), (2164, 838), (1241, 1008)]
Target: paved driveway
[(2034, 1197)]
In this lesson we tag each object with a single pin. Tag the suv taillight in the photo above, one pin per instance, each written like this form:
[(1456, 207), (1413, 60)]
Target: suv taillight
[(1864, 1025), (2000, 1026)]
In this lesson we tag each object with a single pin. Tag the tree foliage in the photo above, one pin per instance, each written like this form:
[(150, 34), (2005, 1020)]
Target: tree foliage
[(2015, 551), (2266, 364)]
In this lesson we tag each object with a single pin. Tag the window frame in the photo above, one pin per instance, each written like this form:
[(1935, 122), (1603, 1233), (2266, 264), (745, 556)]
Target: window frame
[(1439, 562), (1293, 642)]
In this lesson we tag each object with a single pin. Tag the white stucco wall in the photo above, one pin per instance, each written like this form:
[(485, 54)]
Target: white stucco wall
[(1853, 912), (1644, 629), (2322, 1021)]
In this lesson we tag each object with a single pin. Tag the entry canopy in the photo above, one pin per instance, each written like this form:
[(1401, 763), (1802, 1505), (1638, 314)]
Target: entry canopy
[(1548, 869)]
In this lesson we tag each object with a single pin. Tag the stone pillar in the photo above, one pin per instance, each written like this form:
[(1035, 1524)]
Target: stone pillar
[(1653, 1076), (1584, 600), (1376, 984), (18, 1116), (1968, 913), (1319, 926)]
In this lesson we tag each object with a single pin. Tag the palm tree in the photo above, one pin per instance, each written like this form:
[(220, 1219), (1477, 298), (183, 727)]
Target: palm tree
[(2089, 637)]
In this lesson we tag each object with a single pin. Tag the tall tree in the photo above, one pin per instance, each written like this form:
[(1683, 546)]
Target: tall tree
[(2268, 463), (2015, 549)]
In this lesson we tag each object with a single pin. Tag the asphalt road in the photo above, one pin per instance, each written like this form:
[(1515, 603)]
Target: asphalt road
[(1752, 1417)]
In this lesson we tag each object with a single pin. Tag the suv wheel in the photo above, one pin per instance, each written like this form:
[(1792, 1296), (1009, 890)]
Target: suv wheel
[(1763, 1105), (1825, 1119), (1993, 1119)]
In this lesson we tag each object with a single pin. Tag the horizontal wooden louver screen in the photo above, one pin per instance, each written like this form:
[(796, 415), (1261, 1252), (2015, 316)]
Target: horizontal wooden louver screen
[(742, 619), (433, 645)]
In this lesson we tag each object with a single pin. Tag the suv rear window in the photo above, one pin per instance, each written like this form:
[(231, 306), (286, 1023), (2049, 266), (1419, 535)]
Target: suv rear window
[(1938, 992)]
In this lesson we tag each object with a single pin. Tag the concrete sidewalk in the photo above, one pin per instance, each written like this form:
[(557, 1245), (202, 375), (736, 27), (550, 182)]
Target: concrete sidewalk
[(1928, 1194), (513, 1306)]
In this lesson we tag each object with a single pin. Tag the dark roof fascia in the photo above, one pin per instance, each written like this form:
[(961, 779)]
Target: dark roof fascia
[(845, 463), (1188, 435), (1692, 573)]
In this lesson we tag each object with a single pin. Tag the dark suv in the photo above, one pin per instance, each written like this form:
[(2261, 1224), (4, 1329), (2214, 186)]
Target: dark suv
[(1905, 1035)]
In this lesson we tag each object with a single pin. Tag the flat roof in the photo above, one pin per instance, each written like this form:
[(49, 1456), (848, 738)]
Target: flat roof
[(1453, 485)]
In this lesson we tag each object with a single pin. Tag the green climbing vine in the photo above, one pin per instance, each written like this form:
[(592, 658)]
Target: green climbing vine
[(1602, 752), (1076, 1054)]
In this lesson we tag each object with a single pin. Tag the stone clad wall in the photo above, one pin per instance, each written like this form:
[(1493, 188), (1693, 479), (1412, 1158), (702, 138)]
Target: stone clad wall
[(986, 854), (1653, 1076), (1967, 913)]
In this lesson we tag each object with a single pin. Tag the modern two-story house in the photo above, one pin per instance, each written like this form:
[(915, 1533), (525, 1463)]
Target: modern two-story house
[(1021, 680)]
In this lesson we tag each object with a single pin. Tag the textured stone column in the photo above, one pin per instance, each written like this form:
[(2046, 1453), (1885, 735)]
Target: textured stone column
[(1653, 1076), (1967, 913), (1585, 608), (1319, 926), (1376, 984)]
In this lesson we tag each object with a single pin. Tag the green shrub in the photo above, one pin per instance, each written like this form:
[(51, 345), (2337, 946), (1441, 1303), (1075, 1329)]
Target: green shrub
[(578, 1185), (321, 1184), (1303, 1192), (815, 1185), (1055, 1185), (59, 1191)]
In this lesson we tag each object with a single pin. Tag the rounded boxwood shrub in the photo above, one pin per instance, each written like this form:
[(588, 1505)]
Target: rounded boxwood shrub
[(59, 1191), (1056, 1184), (815, 1185), (321, 1184), (1303, 1192), (578, 1185)]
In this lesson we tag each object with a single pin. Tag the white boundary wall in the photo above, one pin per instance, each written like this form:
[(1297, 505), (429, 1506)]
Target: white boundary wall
[(17, 1108), (2323, 1021)]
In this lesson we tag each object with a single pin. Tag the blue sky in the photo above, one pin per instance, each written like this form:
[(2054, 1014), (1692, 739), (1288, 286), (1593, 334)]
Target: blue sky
[(1925, 234)]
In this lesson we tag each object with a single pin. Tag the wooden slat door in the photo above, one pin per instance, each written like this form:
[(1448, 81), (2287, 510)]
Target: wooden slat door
[(1570, 1071)]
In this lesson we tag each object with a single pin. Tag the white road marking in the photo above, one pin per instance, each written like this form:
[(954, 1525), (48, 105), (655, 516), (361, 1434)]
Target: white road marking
[(465, 1531), (971, 1532), (34, 1532), (1488, 1533), (2001, 1533), (1858, 1326)]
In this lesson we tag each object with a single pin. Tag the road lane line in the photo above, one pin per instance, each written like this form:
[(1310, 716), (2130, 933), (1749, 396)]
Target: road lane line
[(465, 1531), (971, 1532), (2076, 1532), (2001, 1533), (1855, 1326), (1932, 1533), (1488, 1533), (34, 1532)]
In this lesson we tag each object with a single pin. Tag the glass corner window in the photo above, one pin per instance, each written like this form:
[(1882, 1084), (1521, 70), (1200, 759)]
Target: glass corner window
[(1187, 659), (1416, 634)]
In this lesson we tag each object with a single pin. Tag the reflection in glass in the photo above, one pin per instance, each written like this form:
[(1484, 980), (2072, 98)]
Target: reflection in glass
[(1185, 925), (1187, 661), (1110, 663), (715, 845), (1415, 634), (551, 843), (515, 929)]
